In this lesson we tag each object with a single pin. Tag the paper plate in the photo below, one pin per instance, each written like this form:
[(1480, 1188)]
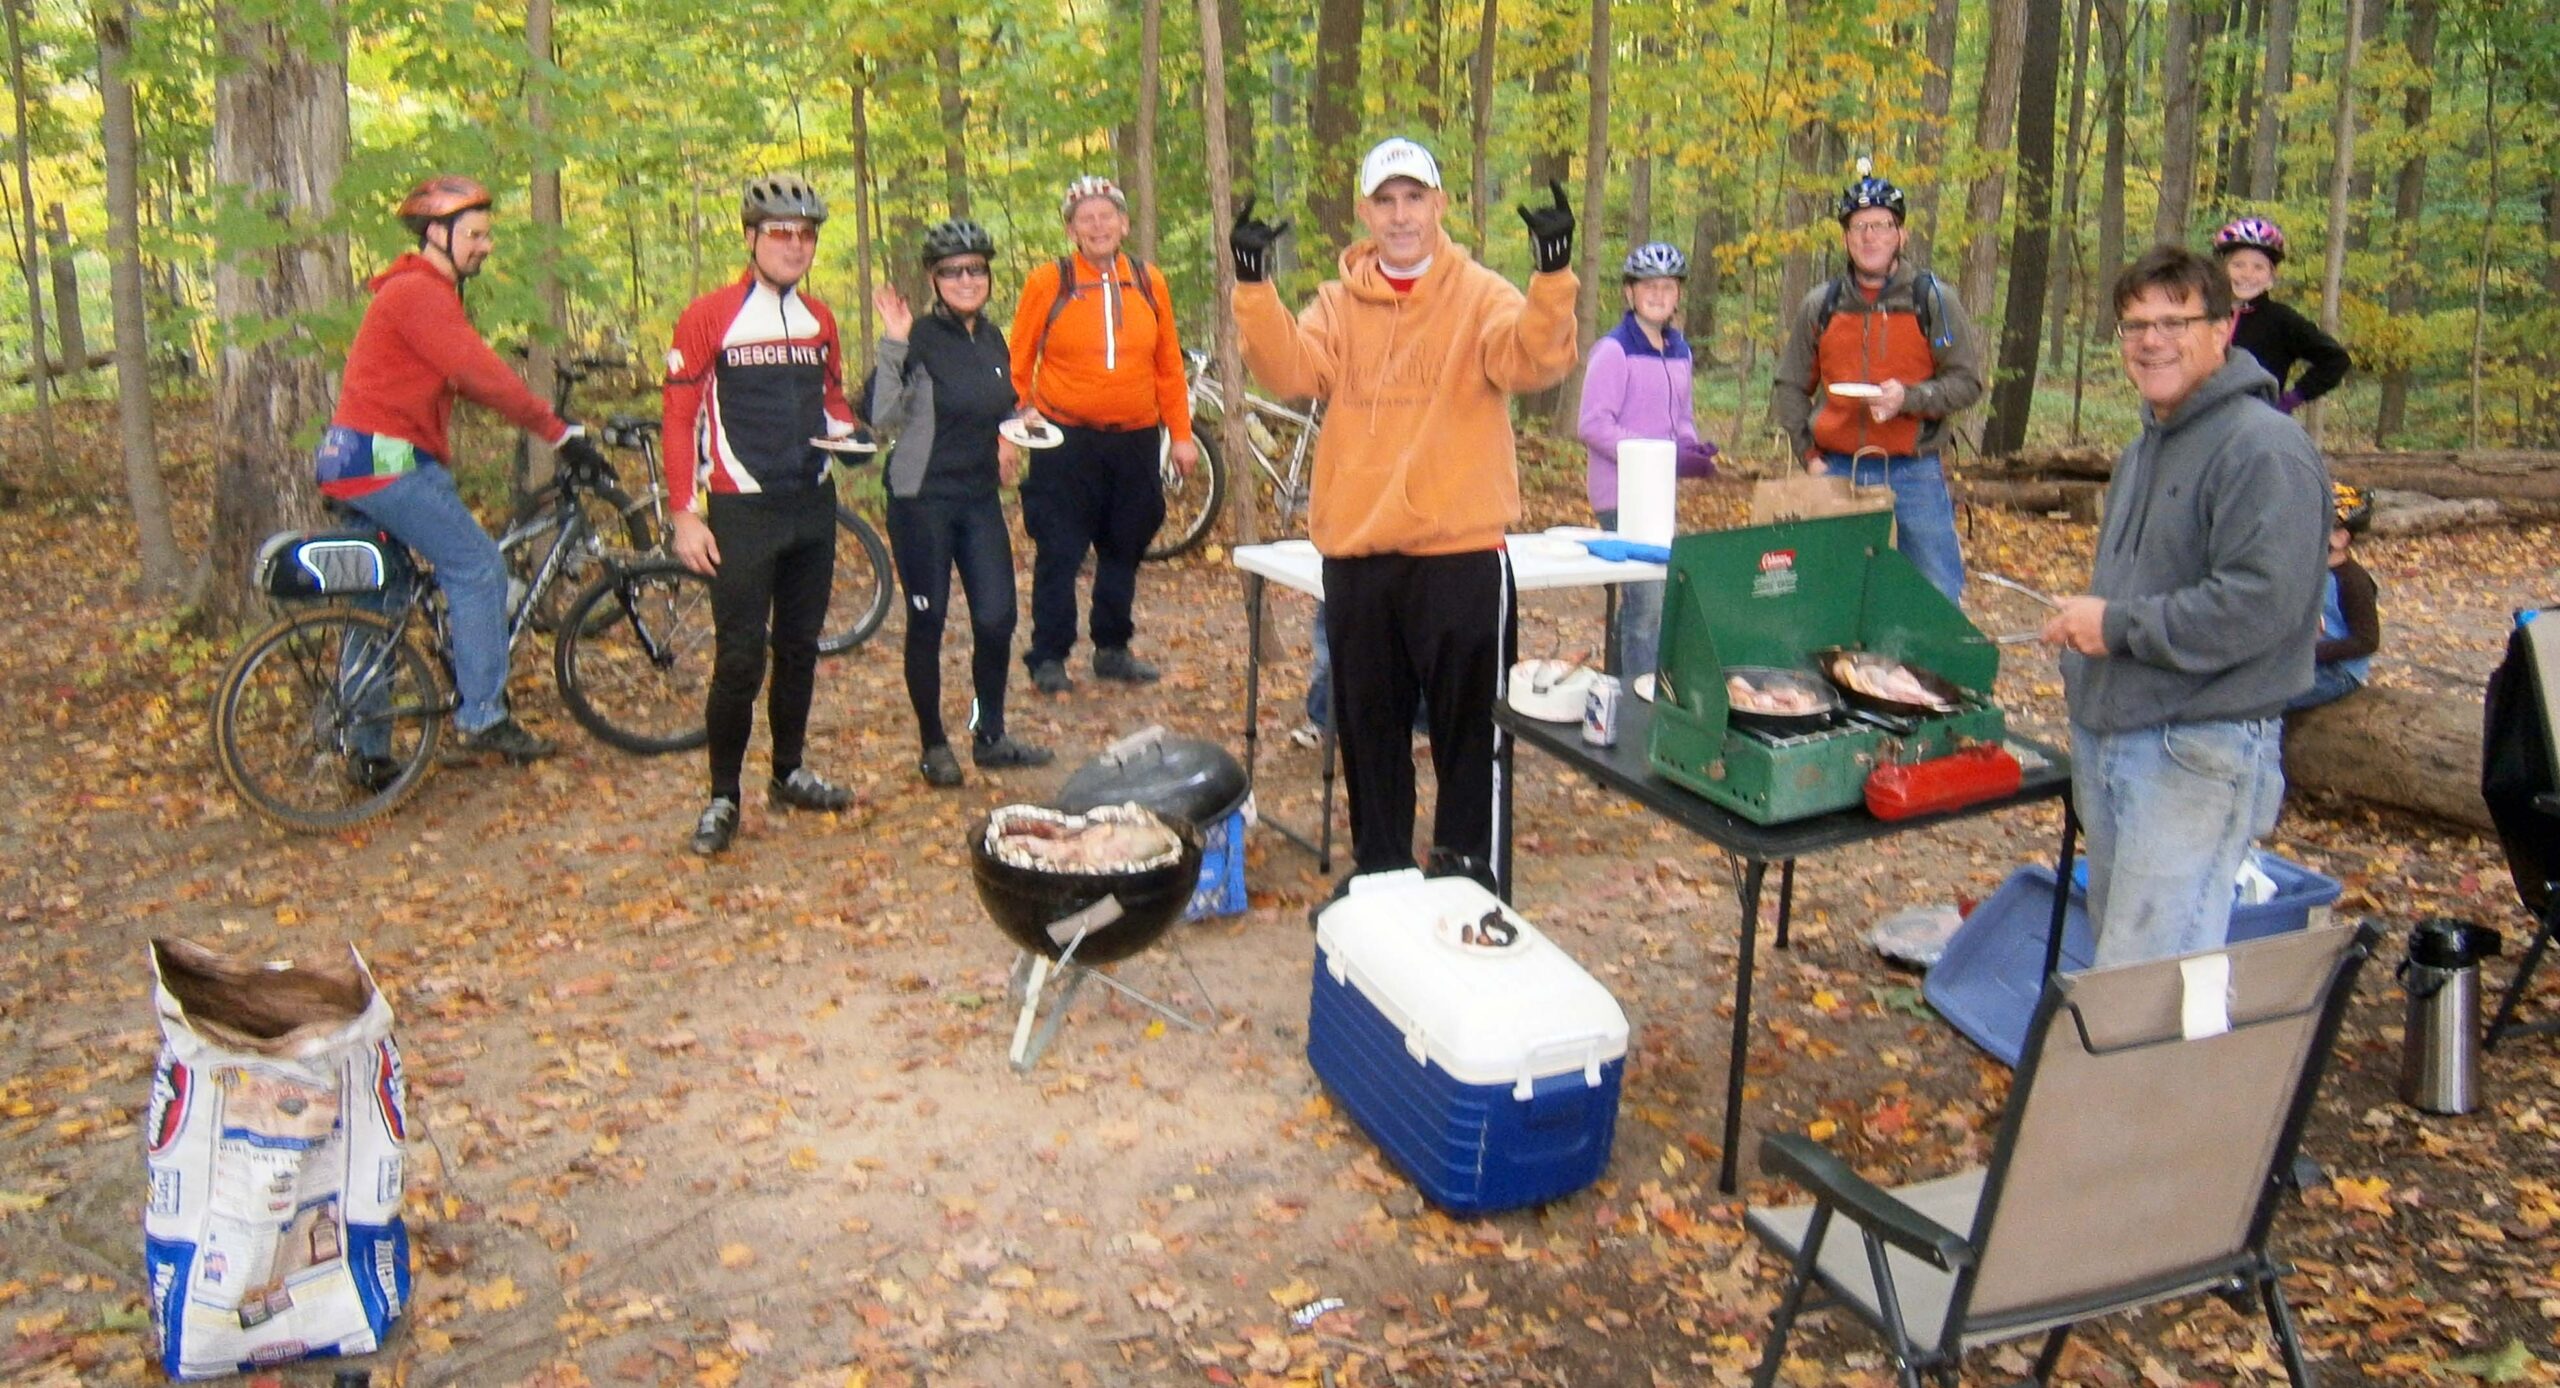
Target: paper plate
[(1546, 547), (846, 445), (1550, 691), (1643, 688), (1037, 433), (1856, 390)]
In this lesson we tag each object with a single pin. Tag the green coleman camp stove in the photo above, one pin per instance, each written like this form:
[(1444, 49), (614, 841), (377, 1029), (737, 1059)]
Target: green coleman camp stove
[(1778, 597)]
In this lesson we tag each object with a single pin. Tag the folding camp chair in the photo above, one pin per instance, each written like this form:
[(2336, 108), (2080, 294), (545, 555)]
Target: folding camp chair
[(2141, 1158), (2520, 780)]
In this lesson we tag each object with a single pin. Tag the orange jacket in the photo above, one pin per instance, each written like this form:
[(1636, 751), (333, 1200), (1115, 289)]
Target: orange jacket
[(1417, 454), (1110, 361)]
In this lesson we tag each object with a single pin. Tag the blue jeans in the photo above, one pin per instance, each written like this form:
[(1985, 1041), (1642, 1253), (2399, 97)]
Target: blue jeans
[(423, 511), (2168, 813), (1924, 516), (2329, 683), (1639, 620)]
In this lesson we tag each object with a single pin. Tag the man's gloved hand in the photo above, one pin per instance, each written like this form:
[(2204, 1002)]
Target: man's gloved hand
[(1251, 242), (1551, 232), (580, 454)]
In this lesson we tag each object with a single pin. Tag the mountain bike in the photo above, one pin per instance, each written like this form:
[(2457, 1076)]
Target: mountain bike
[(332, 716), (865, 579), (1282, 441)]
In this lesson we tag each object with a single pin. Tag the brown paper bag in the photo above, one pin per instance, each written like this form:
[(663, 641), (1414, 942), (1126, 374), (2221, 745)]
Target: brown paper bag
[(1808, 496)]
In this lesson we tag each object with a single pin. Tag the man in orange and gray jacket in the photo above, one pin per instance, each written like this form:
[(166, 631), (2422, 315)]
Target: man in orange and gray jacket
[(1416, 349)]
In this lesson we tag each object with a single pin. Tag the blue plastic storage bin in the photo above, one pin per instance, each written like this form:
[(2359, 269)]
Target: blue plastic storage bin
[(1221, 890), (1986, 983)]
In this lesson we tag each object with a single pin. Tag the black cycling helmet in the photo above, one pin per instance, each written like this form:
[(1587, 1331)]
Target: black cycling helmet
[(957, 236), (779, 196), (1869, 191), (2351, 509)]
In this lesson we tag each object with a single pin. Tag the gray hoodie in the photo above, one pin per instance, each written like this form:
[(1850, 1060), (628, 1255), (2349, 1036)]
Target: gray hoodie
[(2211, 561)]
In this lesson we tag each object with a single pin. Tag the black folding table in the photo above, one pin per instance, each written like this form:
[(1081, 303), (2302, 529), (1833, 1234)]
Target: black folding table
[(1623, 768)]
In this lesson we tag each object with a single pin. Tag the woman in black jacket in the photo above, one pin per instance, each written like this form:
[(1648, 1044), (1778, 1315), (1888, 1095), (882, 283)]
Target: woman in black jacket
[(944, 382), (2280, 338)]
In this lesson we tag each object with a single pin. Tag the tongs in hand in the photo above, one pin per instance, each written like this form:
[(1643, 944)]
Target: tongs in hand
[(2019, 638)]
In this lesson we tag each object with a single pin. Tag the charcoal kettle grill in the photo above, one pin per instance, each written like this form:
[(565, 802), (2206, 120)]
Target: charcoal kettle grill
[(1784, 596)]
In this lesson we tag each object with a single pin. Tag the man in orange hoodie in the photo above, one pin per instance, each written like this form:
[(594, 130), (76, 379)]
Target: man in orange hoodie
[(1417, 350)]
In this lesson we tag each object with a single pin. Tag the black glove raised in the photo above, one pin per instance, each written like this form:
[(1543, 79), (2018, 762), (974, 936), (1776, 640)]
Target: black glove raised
[(1551, 232), (1251, 242), (579, 454)]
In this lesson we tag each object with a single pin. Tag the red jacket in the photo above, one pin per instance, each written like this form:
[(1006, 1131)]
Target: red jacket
[(416, 351), (754, 374)]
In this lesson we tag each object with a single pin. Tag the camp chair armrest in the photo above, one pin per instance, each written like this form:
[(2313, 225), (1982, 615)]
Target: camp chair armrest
[(1802, 1160)]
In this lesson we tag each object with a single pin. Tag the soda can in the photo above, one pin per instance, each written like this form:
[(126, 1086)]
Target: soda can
[(1600, 712)]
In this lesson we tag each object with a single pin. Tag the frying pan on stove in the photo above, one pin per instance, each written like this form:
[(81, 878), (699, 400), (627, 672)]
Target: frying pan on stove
[(1836, 662), (1776, 677)]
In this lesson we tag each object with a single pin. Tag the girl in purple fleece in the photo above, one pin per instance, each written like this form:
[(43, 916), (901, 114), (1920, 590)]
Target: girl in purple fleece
[(1637, 387)]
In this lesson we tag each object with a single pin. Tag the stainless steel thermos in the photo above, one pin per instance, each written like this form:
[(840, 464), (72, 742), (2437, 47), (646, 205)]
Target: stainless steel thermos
[(2440, 1051)]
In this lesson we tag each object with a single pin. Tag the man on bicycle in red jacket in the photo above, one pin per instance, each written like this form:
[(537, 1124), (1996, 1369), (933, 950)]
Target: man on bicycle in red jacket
[(755, 381), (384, 453)]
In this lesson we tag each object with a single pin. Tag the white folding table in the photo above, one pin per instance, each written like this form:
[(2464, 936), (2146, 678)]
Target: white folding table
[(1538, 563)]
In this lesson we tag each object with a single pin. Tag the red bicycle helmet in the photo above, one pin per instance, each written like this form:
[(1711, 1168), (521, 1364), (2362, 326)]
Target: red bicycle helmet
[(2250, 234), (440, 197)]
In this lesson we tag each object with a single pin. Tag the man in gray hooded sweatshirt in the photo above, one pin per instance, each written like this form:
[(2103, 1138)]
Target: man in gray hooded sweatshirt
[(2203, 609)]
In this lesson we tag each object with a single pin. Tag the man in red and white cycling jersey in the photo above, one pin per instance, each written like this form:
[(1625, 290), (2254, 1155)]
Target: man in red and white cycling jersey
[(755, 377)]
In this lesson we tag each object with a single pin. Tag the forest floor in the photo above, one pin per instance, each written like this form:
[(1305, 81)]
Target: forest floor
[(751, 1122)]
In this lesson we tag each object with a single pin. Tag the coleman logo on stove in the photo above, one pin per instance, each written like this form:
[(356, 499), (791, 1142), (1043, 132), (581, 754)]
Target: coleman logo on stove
[(1777, 574), (1777, 559)]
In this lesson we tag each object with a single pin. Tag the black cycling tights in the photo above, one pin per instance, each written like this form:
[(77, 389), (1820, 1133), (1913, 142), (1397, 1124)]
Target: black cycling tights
[(931, 537), (777, 562)]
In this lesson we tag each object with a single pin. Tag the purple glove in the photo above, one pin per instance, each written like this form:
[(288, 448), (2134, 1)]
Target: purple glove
[(2290, 401), (1699, 461)]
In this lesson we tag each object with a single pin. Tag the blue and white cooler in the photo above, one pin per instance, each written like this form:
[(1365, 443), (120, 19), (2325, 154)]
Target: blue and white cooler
[(1482, 1060)]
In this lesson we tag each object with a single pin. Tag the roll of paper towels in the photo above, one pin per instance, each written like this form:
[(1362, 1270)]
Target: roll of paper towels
[(1648, 495)]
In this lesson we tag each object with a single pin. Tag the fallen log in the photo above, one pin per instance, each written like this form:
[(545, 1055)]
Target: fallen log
[(2489, 474), (54, 370), (2078, 500), (2392, 747)]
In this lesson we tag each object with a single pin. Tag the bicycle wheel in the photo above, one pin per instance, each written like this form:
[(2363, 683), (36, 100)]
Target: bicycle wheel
[(615, 522), (634, 657), (865, 585), (327, 719), (1190, 503)]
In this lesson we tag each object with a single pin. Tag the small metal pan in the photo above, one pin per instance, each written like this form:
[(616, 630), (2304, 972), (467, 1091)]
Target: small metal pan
[(1784, 724), (1834, 664)]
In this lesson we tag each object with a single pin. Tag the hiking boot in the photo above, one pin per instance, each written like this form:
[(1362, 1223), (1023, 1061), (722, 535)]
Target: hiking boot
[(1115, 663), (940, 768), (1004, 751), (372, 774), (805, 789), (1050, 677), (1307, 735), (1448, 863), (718, 825), (510, 739)]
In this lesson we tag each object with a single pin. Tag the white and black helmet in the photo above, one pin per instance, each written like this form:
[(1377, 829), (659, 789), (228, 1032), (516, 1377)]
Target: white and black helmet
[(779, 196), (1091, 186), (1655, 260)]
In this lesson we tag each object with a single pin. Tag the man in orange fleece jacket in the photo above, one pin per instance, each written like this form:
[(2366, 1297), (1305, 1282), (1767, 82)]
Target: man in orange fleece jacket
[(1417, 350)]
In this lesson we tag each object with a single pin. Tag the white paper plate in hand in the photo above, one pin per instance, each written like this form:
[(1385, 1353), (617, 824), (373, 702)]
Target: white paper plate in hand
[(1035, 433), (850, 443), (1856, 390)]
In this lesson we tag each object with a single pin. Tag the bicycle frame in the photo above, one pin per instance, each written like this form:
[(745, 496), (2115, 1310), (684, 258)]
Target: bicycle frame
[(1289, 479)]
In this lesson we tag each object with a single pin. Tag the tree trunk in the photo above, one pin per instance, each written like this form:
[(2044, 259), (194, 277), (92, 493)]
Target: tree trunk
[(2409, 210), (2030, 243), (533, 465), (146, 495), (2277, 81), (1480, 101), (68, 330), (1706, 282), (1937, 100), (1232, 442), (2394, 747), (1800, 177), (1994, 129), (2343, 133), (2178, 97), (951, 93), (30, 253), (1640, 185), (279, 144), (1595, 201), (2066, 229), (1240, 158), (863, 221), (2116, 37), (1434, 23), (1141, 164), (1334, 120)]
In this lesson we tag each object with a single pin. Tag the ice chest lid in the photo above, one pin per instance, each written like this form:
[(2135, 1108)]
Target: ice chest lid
[(1185, 777), (1510, 1014)]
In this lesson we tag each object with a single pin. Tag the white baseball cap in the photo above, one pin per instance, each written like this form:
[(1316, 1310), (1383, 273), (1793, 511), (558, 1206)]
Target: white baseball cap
[(1398, 158)]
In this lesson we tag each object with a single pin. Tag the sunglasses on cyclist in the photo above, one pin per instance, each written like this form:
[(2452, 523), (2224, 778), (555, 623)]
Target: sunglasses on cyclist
[(961, 272), (788, 233)]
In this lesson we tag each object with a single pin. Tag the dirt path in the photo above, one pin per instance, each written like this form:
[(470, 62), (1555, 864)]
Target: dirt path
[(751, 1122)]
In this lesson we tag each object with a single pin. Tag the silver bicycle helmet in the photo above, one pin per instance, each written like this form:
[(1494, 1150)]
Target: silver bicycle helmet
[(778, 196), (1091, 186), (1656, 260)]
